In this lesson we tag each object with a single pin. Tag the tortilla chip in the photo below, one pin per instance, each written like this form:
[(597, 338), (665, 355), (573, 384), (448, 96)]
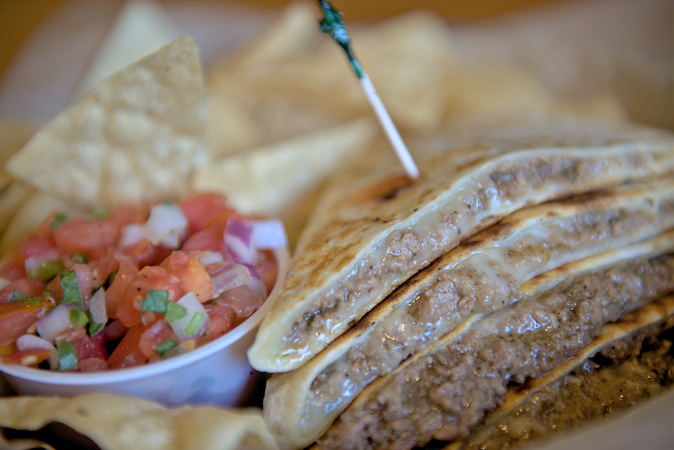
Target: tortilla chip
[(116, 422), (14, 133), (140, 28), (34, 209), (136, 136), (291, 35), (11, 200), (268, 179)]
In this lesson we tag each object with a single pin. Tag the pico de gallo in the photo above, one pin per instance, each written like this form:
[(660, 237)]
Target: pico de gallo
[(132, 285)]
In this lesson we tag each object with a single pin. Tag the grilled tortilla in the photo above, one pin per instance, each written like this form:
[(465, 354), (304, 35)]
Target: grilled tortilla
[(375, 228), (447, 389), (482, 275)]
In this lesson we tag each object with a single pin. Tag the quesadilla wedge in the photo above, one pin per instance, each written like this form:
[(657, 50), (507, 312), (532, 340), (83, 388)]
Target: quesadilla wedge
[(482, 275), (374, 228), (630, 361), (448, 388)]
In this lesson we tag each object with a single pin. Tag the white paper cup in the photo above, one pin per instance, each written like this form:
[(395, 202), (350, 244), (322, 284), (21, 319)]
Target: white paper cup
[(217, 373)]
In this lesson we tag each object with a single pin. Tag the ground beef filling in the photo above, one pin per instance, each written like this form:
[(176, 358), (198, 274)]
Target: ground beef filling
[(635, 369), (404, 252), (444, 395), (455, 294)]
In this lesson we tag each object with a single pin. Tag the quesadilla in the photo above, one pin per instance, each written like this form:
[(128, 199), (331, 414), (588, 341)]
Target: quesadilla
[(446, 390), (482, 275), (374, 228), (628, 363)]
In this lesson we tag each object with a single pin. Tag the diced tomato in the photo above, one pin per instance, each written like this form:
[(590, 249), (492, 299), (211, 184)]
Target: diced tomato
[(111, 332), (11, 265), (146, 254), (150, 277), (17, 316), (191, 273), (7, 349), (127, 353), (27, 286), (93, 365), (128, 269), (101, 268), (85, 346), (84, 280), (223, 319), (92, 237), (155, 336), (219, 220), (126, 214), (36, 245), (200, 208), (30, 357), (207, 239), (54, 288), (267, 269)]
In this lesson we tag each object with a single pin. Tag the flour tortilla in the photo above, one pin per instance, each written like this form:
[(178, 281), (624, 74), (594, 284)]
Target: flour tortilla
[(546, 236), (371, 212), (656, 311)]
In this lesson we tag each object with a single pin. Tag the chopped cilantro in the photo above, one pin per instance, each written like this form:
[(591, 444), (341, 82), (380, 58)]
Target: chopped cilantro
[(78, 319), (58, 220), (94, 327), (174, 312), (99, 213), (46, 271), (16, 295), (80, 258), (67, 356), (71, 290), (155, 301), (194, 323), (166, 345)]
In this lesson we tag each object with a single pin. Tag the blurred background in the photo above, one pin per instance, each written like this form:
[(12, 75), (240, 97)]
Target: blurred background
[(574, 47), (19, 18)]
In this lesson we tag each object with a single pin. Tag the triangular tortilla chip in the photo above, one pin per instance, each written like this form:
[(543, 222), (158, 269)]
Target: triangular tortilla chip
[(136, 136), (139, 29)]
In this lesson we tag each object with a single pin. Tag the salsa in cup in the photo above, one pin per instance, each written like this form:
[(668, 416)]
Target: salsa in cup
[(121, 288)]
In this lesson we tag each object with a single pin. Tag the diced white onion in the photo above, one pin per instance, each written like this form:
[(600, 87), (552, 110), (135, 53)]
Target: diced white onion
[(97, 309), (269, 234), (166, 226), (131, 234), (209, 257), (192, 306), (238, 236), (231, 276), (256, 285), (242, 300), (30, 341), (56, 321), (4, 283), (35, 261)]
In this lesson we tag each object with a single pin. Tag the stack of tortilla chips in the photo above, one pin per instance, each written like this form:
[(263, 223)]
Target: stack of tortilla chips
[(413, 310)]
